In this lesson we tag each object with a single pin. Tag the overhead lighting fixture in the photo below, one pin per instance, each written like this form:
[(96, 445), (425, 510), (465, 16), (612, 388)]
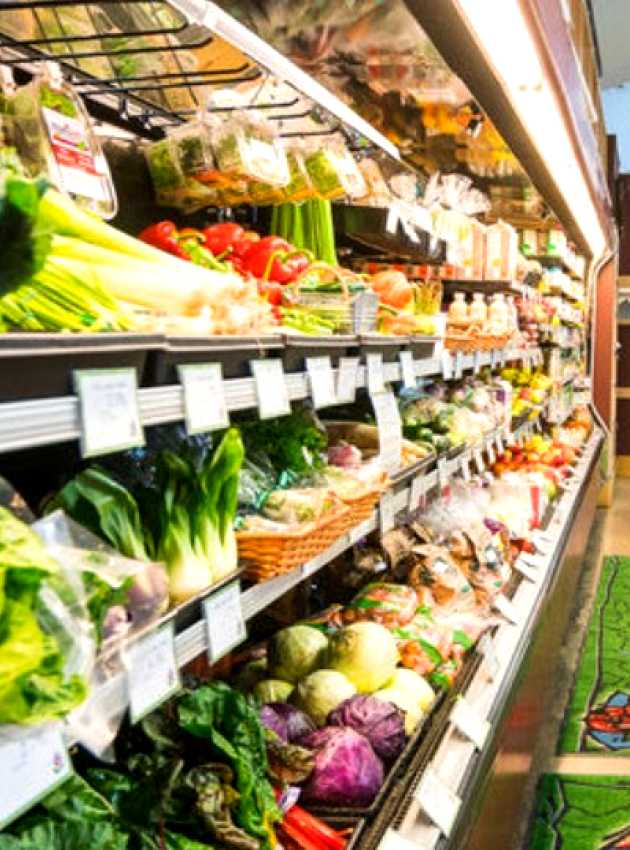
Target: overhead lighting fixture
[(505, 37)]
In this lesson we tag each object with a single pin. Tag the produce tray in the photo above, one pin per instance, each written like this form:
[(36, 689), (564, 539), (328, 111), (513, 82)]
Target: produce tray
[(418, 748), (368, 226), (232, 352), (297, 348), (389, 346), (40, 365), (403, 476)]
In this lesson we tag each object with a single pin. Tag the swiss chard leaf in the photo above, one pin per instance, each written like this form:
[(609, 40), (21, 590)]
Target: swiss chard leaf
[(23, 245)]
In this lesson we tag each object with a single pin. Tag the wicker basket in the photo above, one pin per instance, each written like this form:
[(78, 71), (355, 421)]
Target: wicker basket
[(361, 508), (266, 554)]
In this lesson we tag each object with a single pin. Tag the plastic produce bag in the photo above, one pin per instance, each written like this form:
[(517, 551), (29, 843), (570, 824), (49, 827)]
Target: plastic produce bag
[(391, 605)]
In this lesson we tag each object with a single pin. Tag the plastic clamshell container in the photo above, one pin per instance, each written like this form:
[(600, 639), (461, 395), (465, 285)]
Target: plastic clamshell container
[(232, 352), (40, 365), (297, 347)]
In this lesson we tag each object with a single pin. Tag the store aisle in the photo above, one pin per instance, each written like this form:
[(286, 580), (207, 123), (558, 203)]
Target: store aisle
[(610, 536)]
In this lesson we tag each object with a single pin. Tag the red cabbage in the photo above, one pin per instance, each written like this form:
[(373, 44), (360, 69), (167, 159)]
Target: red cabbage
[(382, 723), (285, 720), (347, 770)]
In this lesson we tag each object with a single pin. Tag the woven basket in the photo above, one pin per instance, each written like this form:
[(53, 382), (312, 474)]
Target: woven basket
[(361, 508), (266, 554)]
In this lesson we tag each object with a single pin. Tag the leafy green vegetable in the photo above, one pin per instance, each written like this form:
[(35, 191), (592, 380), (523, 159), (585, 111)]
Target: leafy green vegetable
[(51, 835), (23, 243), (223, 717), (293, 444)]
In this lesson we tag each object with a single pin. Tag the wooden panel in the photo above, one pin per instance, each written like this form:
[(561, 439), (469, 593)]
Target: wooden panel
[(623, 426)]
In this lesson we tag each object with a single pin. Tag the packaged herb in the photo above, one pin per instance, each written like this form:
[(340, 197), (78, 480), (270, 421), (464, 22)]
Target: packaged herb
[(54, 136), (251, 148), (333, 171), (299, 188)]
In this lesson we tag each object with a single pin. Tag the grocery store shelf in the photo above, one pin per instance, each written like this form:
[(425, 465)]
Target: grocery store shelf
[(112, 697), (25, 424), (460, 765)]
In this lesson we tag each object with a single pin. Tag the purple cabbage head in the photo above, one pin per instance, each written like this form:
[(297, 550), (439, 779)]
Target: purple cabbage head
[(285, 720), (382, 723), (347, 771)]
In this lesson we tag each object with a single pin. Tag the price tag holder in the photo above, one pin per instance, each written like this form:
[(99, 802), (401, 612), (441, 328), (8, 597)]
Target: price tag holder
[(447, 366), (488, 651), (507, 608), (225, 625), (525, 570), (465, 467), (204, 397), (417, 491), (459, 365), (375, 373), (442, 473), (389, 425), (476, 362), (152, 672), (108, 410), (322, 381), (271, 388), (32, 764), (467, 721), (347, 380), (478, 458), (387, 512), (440, 804), (408, 368)]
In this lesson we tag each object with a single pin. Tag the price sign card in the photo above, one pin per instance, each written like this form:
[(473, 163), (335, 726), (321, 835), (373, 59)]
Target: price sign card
[(488, 650), (537, 561), (271, 388), (225, 626), (389, 429), (375, 373), (108, 409), (447, 366), (459, 365), (507, 608), (33, 762), (152, 672), (499, 443), (204, 397), (322, 381), (437, 800), (465, 467), (476, 362), (442, 473), (468, 722), (393, 840), (494, 358), (525, 570), (387, 512), (347, 380), (408, 368), (417, 492), (490, 452), (478, 458)]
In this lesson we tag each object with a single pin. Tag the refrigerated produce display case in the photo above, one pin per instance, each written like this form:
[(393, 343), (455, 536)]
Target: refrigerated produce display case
[(300, 313)]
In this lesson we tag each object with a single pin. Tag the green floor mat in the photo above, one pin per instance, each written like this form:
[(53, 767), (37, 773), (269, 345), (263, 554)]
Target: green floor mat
[(598, 718), (581, 813)]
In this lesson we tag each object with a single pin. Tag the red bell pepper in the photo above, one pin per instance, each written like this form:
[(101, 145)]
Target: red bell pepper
[(164, 236), (220, 238), (271, 291), (244, 245), (272, 258)]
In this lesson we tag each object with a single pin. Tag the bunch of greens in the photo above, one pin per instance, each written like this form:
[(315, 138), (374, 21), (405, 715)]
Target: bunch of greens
[(295, 445), (182, 515), (34, 686), (193, 774)]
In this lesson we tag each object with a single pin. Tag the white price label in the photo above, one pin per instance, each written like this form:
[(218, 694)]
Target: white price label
[(465, 466), (543, 542), (152, 672), (507, 608), (347, 380), (467, 721), (447, 365), (500, 444), (437, 800), (109, 412), (33, 762), (490, 452), (375, 373), (408, 368), (476, 362), (459, 365), (536, 561), (494, 358), (225, 626), (322, 381), (478, 458), (442, 473), (525, 570), (271, 388), (387, 512), (502, 356), (488, 650), (389, 426), (204, 397), (393, 840), (417, 490)]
